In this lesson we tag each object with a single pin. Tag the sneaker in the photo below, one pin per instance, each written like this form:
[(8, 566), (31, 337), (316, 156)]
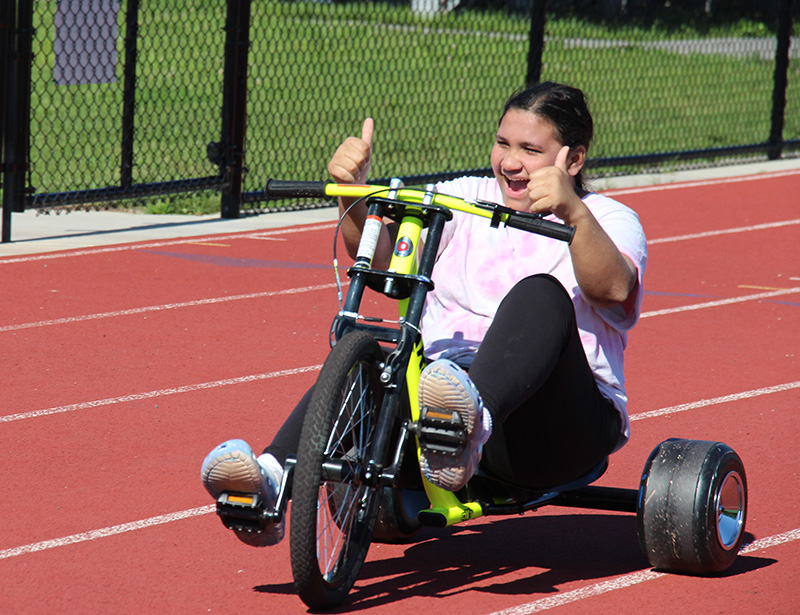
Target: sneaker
[(232, 467), (450, 404)]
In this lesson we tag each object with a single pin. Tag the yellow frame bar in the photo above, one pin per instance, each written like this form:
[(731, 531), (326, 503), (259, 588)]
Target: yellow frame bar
[(445, 504)]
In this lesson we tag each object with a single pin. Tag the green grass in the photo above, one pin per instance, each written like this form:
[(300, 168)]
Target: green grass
[(434, 87)]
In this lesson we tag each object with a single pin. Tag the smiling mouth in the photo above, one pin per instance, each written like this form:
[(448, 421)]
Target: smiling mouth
[(516, 185)]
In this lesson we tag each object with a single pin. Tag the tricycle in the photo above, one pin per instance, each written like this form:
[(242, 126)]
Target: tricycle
[(356, 479)]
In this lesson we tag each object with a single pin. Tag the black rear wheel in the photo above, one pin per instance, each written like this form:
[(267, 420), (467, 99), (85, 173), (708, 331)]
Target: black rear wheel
[(333, 510), (692, 506)]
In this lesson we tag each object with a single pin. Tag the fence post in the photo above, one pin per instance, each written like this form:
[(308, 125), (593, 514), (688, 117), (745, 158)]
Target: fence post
[(775, 143), (536, 42), (234, 105), (7, 20), (17, 108), (129, 94)]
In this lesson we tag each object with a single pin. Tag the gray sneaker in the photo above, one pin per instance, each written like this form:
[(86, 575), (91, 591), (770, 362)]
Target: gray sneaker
[(233, 468), (452, 425)]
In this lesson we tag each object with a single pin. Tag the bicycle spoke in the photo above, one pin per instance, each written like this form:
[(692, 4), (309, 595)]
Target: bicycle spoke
[(353, 405), (333, 529), (337, 509)]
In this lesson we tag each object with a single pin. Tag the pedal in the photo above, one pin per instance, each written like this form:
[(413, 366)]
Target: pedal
[(440, 431), (242, 511)]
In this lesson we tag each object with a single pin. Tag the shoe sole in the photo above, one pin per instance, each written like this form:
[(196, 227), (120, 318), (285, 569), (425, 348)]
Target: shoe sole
[(232, 471), (235, 471), (441, 394)]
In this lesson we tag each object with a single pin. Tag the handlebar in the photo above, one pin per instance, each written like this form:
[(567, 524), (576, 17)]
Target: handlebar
[(278, 188), (533, 223)]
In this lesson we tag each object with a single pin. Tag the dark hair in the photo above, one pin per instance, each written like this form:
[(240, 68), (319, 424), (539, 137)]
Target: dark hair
[(564, 107)]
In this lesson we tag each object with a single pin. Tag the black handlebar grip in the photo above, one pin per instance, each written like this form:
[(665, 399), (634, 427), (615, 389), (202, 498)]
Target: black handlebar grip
[(277, 188), (555, 230)]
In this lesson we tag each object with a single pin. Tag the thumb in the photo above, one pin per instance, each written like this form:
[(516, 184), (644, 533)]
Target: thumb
[(561, 159), (367, 130)]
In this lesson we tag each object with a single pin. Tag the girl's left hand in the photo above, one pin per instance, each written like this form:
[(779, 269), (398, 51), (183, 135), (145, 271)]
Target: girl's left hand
[(552, 190), (605, 276)]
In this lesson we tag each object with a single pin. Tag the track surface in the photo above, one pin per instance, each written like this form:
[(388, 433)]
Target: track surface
[(124, 366)]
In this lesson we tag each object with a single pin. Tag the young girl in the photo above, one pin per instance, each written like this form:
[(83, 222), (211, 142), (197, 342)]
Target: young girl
[(525, 334)]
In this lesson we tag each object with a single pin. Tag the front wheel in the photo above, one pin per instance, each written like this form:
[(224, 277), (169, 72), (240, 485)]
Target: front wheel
[(692, 506), (333, 511)]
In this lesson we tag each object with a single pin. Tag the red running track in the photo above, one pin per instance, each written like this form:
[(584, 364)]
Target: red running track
[(123, 366)]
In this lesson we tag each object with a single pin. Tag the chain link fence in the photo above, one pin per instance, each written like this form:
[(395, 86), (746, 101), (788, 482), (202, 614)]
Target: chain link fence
[(124, 99), (130, 100), (660, 91)]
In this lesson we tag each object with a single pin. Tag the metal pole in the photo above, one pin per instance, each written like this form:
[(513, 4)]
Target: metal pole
[(23, 126), (234, 105), (536, 42), (17, 113), (129, 94), (7, 23), (780, 80)]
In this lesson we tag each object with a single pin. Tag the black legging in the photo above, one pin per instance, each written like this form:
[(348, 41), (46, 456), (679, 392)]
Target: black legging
[(532, 372), (550, 422)]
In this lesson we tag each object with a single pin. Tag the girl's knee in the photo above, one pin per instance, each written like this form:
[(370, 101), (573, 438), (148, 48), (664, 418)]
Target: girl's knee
[(541, 283), (540, 290)]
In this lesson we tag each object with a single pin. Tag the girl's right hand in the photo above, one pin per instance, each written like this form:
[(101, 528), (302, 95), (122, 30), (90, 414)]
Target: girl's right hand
[(350, 165), (351, 161)]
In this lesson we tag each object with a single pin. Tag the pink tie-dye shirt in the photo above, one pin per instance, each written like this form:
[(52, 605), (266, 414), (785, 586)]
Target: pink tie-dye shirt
[(477, 265)]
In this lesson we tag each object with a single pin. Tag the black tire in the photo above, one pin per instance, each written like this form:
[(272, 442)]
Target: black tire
[(333, 513), (692, 506)]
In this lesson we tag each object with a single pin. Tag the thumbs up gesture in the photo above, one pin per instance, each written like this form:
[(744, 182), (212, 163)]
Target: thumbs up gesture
[(351, 161), (552, 189)]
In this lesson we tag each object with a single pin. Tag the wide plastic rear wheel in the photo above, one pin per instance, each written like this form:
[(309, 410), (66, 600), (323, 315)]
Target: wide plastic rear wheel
[(333, 511), (692, 506)]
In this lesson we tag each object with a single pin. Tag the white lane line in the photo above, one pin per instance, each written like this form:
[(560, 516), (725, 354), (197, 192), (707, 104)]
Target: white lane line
[(537, 606), (305, 289), (719, 302), (273, 232), (741, 229), (534, 607), (628, 580), (166, 306), (160, 393), (171, 242), (551, 602), (106, 531), (699, 184), (703, 403), (771, 541)]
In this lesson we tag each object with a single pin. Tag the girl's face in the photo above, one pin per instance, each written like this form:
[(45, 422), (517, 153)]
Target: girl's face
[(525, 142)]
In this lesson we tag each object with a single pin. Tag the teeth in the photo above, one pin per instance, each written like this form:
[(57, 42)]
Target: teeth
[(516, 184)]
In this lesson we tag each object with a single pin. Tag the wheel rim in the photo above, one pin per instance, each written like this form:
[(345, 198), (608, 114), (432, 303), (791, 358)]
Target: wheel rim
[(339, 503), (730, 510)]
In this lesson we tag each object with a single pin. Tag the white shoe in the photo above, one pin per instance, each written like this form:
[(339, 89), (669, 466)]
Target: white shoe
[(232, 467), (449, 402)]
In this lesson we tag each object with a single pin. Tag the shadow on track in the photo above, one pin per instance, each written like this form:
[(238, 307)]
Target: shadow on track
[(511, 556), (530, 557)]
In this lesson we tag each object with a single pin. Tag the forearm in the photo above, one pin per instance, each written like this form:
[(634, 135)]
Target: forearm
[(605, 276)]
